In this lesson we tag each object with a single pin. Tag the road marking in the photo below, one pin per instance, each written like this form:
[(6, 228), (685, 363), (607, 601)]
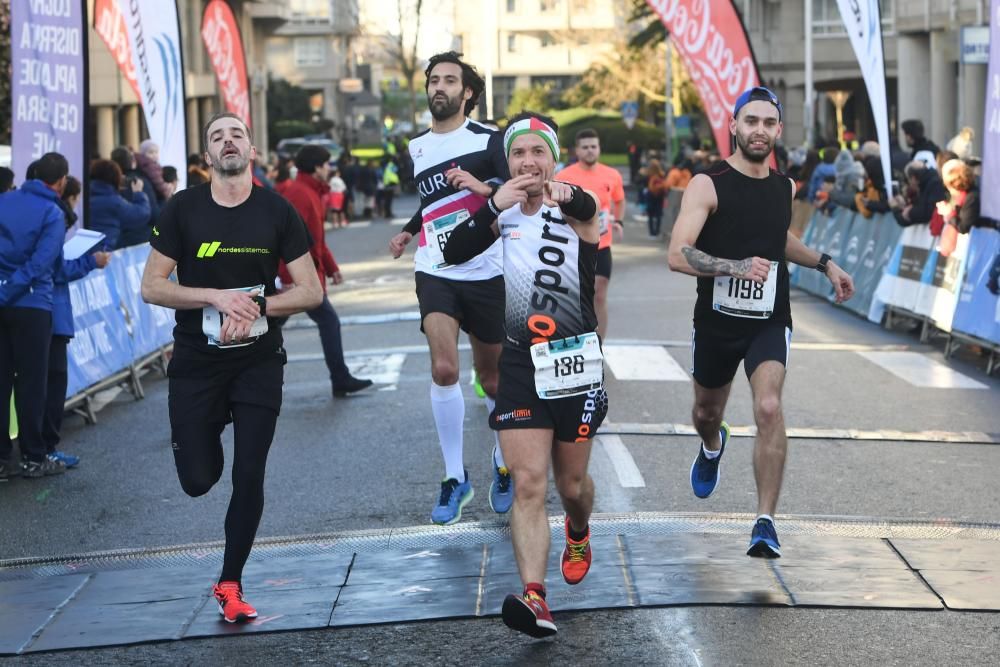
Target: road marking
[(628, 472), (956, 437), (643, 362), (922, 371), (382, 370)]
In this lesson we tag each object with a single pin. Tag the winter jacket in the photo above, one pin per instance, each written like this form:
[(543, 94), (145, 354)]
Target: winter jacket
[(307, 195), (871, 201), (147, 189), (822, 172), (32, 227), (154, 172), (62, 308), (124, 223), (931, 191)]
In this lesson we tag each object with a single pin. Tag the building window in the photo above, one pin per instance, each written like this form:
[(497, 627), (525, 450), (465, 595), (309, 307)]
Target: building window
[(547, 5), (310, 52), (310, 10), (828, 22), (547, 40), (511, 43), (511, 6)]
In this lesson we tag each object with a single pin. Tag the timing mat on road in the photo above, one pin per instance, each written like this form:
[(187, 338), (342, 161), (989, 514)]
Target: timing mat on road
[(464, 571)]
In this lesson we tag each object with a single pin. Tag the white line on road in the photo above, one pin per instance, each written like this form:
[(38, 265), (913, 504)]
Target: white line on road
[(643, 362), (666, 428), (628, 472), (922, 371)]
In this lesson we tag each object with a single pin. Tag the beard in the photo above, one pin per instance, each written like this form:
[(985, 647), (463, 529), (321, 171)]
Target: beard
[(230, 165), (753, 154), (443, 109)]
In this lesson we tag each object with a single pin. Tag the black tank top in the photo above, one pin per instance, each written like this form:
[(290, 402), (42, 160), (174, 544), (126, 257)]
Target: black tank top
[(751, 219)]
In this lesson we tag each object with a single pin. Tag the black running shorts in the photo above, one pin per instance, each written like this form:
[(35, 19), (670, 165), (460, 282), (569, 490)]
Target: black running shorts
[(478, 305), (204, 396), (573, 418), (604, 262), (715, 358)]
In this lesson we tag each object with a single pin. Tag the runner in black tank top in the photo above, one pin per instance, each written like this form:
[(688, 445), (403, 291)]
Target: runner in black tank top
[(732, 233)]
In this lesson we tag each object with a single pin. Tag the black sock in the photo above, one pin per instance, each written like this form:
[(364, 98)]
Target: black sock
[(575, 536)]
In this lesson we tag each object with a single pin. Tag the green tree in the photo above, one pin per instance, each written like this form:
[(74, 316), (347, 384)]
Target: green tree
[(404, 50), (287, 108), (5, 73), (536, 98)]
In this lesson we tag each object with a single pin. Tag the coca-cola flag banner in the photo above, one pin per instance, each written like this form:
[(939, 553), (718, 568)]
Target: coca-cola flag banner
[(48, 83), (154, 35), (863, 22), (109, 24), (990, 189), (710, 39), (225, 48)]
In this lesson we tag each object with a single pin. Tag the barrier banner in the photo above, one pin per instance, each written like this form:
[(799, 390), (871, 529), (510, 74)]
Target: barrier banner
[(225, 48), (990, 190), (48, 43), (859, 242), (872, 262), (154, 35), (978, 311), (940, 284), (863, 22), (828, 235), (900, 285), (710, 39), (109, 24), (836, 246), (151, 327), (101, 346)]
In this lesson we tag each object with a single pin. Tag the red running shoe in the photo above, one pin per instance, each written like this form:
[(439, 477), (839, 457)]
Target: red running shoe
[(575, 558), (529, 614), (232, 606)]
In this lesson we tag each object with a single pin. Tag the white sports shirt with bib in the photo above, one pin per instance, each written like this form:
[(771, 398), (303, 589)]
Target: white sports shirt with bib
[(478, 150)]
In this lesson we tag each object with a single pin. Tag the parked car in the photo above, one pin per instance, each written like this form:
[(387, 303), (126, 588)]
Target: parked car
[(287, 148)]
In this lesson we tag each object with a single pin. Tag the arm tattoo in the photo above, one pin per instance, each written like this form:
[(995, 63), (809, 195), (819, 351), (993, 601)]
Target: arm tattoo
[(705, 263)]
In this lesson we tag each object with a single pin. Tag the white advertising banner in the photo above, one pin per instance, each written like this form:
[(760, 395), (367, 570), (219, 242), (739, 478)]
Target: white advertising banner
[(154, 35), (863, 20)]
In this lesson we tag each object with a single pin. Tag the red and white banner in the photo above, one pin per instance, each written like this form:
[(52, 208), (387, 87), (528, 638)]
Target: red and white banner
[(109, 24), (225, 48), (710, 39)]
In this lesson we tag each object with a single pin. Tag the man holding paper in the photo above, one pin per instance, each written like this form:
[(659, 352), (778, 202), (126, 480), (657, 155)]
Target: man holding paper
[(225, 239)]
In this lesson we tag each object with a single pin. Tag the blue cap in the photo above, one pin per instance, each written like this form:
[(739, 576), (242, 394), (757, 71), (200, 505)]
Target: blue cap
[(759, 93)]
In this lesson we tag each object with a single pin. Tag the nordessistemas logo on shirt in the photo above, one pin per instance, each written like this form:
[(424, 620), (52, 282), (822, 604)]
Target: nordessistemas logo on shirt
[(211, 248)]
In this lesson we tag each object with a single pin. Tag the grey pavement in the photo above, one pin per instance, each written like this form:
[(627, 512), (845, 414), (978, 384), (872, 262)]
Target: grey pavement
[(371, 463)]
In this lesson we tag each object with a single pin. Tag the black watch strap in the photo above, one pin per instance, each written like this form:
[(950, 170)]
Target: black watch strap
[(821, 265)]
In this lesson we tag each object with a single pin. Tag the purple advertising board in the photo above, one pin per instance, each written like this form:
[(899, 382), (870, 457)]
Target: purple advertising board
[(991, 132), (49, 94)]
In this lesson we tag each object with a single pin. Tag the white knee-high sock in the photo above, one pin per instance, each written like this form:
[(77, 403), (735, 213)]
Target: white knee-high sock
[(448, 406), (497, 454)]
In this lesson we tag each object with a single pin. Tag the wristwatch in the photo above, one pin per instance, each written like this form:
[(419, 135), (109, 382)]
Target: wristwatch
[(823, 259), (262, 304)]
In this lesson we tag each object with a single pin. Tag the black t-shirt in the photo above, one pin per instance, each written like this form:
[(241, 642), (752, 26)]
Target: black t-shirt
[(227, 248), (752, 219)]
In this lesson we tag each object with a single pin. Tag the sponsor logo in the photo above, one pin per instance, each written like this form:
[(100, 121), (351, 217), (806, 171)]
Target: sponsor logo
[(548, 282), (518, 415), (584, 431), (209, 249)]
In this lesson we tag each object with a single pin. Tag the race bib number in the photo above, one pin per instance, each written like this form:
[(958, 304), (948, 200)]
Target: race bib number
[(745, 298), (437, 231), (604, 217), (211, 323), (568, 367)]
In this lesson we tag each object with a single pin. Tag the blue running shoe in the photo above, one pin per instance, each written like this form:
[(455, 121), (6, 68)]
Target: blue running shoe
[(705, 472), (764, 540), (454, 496), (69, 460), (501, 490)]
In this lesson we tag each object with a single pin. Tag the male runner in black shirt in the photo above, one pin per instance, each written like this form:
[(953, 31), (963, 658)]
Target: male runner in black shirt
[(732, 232), (225, 239)]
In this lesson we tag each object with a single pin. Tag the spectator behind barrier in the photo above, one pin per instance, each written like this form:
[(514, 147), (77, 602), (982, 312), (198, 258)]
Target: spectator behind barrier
[(197, 170), (850, 176), (913, 132), (823, 170), (962, 206), (657, 188), (6, 180), (873, 198), (125, 159), (123, 222), (32, 226), (147, 160), (679, 175), (928, 190), (170, 178)]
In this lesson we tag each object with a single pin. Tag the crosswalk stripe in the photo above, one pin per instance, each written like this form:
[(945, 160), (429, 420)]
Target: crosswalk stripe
[(643, 362), (922, 371), (628, 472)]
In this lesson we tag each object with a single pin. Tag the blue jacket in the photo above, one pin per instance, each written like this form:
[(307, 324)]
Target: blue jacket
[(62, 307), (32, 227), (122, 222), (822, 172)]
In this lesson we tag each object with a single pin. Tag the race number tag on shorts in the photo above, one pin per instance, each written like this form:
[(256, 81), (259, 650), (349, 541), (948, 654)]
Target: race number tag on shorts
[(211, 323), (437, 231), (568, 367), (745, 298)]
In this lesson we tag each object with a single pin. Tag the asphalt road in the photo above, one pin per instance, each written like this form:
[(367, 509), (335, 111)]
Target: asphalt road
[(372, 462)]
